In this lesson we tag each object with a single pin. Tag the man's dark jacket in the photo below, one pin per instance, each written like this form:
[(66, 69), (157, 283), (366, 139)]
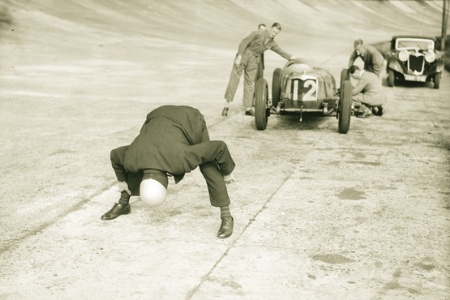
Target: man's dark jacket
[(161, 143)]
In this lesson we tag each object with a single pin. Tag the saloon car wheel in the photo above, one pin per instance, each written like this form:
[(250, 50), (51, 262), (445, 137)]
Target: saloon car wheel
[(261, 104), (276, 87), (391, 78), (345, 106), (437, 80)]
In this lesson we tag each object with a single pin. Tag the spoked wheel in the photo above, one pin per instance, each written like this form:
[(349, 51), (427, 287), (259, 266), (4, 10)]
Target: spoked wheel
[(261, 104), (276, 87), (345, 107)]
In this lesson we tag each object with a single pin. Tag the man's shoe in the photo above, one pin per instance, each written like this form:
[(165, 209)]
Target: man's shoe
[(117, 210), (225, 112), (249, 112), (364, 112), (226, 228), (377, 110)]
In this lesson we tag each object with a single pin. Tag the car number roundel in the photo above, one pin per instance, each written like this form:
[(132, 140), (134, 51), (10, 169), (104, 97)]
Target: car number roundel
[(305, 90)]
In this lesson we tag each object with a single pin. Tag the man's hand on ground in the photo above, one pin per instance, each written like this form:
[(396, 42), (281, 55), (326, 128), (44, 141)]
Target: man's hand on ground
[(228, 178), (123, 186)]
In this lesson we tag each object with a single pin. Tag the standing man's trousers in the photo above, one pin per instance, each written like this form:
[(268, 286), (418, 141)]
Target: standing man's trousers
[(249, 64)]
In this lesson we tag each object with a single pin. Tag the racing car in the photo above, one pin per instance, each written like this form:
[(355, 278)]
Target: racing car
[(300, 88)]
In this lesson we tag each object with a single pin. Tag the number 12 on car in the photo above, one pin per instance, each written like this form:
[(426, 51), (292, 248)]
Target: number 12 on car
[(305, 90)]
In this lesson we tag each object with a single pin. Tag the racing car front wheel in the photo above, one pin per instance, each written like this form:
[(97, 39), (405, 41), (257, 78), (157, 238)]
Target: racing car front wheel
[(261, 104), (345, 107), (276, 87), (344, 77)]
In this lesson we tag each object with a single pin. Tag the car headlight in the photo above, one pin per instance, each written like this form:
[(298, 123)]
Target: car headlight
[(403, 55), (430, 56)]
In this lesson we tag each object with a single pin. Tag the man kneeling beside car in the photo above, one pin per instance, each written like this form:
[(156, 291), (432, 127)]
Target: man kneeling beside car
[(367, 94)]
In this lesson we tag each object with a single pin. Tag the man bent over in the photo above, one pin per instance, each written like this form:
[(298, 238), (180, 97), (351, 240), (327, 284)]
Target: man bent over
[(174, 140)]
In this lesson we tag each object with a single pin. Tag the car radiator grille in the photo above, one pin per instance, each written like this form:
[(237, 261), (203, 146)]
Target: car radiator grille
[(415, 63)]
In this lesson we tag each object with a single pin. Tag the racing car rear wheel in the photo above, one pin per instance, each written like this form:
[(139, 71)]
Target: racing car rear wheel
[(391, 78), (345, 106), (261, 104), (437, 80), (276, 87)]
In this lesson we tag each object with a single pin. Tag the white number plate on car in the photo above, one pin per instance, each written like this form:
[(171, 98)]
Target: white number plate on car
[(421, 78)]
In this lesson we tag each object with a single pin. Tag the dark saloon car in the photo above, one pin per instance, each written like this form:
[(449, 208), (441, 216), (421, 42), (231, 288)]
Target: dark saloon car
[(414, 58)]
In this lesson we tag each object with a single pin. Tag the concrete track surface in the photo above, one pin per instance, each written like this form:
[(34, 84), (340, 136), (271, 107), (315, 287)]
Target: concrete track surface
[(318, 214)]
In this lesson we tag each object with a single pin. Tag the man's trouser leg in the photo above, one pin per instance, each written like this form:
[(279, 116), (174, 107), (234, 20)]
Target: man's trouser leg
[(358, 97), (251, 68), (134, 182), (215, 161), (202, 153), (367, 100), (216, 151), (217, 190), (233, 83)]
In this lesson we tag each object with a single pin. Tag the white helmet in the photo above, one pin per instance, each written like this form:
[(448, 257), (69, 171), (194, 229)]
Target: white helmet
[(152, 192)]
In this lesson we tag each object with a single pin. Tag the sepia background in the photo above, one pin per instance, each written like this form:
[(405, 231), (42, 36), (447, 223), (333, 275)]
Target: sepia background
[(318, 214)]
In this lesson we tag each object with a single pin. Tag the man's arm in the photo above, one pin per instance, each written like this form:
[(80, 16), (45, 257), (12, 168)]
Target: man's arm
[(245, 42), (352, 59), (360, 86), (242, 46), (117, 156), (275, 48)]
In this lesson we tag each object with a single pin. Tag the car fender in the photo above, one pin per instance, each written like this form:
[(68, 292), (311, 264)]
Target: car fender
[(438, 67), (393, 64)]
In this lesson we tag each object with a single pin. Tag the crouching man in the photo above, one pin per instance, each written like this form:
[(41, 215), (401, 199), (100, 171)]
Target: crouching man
[(368, 94), (174, 140)]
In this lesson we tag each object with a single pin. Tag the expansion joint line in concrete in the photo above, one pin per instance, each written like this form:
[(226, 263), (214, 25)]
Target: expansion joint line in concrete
[(49, 223), (192, 292)]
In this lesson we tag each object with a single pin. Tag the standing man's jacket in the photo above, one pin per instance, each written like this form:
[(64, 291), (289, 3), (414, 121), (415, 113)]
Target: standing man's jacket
[(258, 42)]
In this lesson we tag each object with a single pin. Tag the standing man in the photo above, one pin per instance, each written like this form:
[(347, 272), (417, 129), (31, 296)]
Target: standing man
[(174, 140), (373, 60), (367, 94), (247, 60)]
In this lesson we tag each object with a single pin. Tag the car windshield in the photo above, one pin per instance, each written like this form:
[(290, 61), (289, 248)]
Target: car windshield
[(421, 44)]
